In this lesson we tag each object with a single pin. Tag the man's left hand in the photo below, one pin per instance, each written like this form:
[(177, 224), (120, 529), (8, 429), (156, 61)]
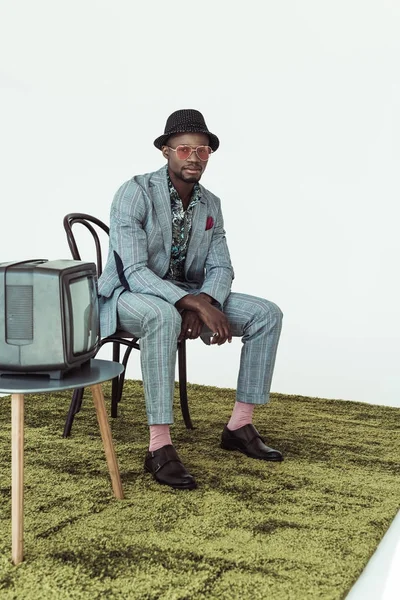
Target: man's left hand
[(191, 326)]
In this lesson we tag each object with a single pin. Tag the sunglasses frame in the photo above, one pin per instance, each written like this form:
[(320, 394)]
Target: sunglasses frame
[(192, 150)]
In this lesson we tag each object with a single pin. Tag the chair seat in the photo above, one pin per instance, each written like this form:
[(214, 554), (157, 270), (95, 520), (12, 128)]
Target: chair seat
[(121, 337), (120, 333)]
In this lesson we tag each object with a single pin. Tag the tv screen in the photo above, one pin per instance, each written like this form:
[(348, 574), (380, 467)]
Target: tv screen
[(49, 317), (83, 313)]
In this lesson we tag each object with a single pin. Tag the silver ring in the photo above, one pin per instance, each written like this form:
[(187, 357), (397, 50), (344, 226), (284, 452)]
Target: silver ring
[(189, 331), (216, 334)]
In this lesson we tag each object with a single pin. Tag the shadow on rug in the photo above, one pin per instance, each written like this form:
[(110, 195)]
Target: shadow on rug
[(302, 529)]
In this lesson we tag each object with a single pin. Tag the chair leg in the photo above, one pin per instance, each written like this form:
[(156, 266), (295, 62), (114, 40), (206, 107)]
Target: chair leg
[(182, 384), (121, 379), (74, 408), (115, 383)]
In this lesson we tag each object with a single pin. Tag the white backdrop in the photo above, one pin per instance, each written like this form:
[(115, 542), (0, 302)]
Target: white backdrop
[(304, 96)]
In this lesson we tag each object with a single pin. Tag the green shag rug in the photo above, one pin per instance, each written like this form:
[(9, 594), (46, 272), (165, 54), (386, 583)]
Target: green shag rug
[(301, 529)]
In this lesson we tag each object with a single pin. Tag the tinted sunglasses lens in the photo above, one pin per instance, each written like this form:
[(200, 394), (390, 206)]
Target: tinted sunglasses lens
[(203, 152), (183, 152)]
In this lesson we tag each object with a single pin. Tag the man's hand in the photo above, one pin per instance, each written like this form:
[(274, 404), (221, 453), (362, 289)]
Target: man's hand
[(215, 319), (191, 326)]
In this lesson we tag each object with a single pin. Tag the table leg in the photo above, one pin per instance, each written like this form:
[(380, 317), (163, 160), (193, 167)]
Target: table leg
[(17, 477), (105, 431)]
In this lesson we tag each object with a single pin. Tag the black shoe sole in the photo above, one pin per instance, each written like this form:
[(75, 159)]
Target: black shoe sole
[(190, 486), (272, 459)]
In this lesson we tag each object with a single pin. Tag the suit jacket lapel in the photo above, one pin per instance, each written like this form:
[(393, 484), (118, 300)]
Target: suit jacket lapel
[(197, 233), (162, 206)]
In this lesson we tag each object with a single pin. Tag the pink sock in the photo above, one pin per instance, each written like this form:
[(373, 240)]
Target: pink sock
[(159, 437), (242, 414)]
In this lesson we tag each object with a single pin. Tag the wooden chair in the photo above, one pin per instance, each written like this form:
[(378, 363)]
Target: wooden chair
[(119, 338)]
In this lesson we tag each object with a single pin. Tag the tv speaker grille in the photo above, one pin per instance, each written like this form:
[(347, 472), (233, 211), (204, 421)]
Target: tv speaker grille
[(19, 315)]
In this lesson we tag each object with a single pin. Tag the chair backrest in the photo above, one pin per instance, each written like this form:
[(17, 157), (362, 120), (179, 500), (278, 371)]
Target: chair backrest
[(88, 221)]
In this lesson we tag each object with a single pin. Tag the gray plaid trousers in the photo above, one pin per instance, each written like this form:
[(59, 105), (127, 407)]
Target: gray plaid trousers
[(158, 323)]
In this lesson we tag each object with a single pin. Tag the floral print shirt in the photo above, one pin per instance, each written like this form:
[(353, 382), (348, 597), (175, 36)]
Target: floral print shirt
[(181, 227)]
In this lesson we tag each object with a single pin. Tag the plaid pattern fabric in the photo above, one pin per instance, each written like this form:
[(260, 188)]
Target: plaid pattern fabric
[(134, 288), (257, 321), (141, 238)]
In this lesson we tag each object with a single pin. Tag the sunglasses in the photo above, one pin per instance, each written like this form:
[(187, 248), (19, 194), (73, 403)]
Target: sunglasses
[(183, 152)]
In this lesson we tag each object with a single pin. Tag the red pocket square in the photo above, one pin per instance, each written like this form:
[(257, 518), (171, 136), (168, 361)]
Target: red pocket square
[(209, 223)]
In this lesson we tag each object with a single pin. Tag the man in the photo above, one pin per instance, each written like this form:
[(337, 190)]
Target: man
[(168, 276)]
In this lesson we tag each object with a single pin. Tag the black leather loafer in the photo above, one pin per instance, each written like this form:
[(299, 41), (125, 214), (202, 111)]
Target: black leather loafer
[(246, 439), (166, 467)]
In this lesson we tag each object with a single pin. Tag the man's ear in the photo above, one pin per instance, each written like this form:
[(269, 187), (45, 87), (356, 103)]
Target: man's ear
[(165, 151)]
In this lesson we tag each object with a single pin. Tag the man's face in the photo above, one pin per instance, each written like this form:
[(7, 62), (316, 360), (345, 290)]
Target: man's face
[(191, 169)]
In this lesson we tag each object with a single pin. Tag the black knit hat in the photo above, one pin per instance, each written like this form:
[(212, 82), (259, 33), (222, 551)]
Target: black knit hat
[(186, 120)]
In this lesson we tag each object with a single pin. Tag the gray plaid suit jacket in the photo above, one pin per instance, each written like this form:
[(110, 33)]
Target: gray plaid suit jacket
[(140, 247)]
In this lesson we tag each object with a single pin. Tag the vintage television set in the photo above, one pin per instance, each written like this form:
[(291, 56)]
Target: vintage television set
[(49, 316)]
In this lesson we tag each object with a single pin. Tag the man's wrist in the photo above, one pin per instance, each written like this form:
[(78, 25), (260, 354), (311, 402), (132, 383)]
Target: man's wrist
[(194, 302), (188, 302), (206, 297)]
